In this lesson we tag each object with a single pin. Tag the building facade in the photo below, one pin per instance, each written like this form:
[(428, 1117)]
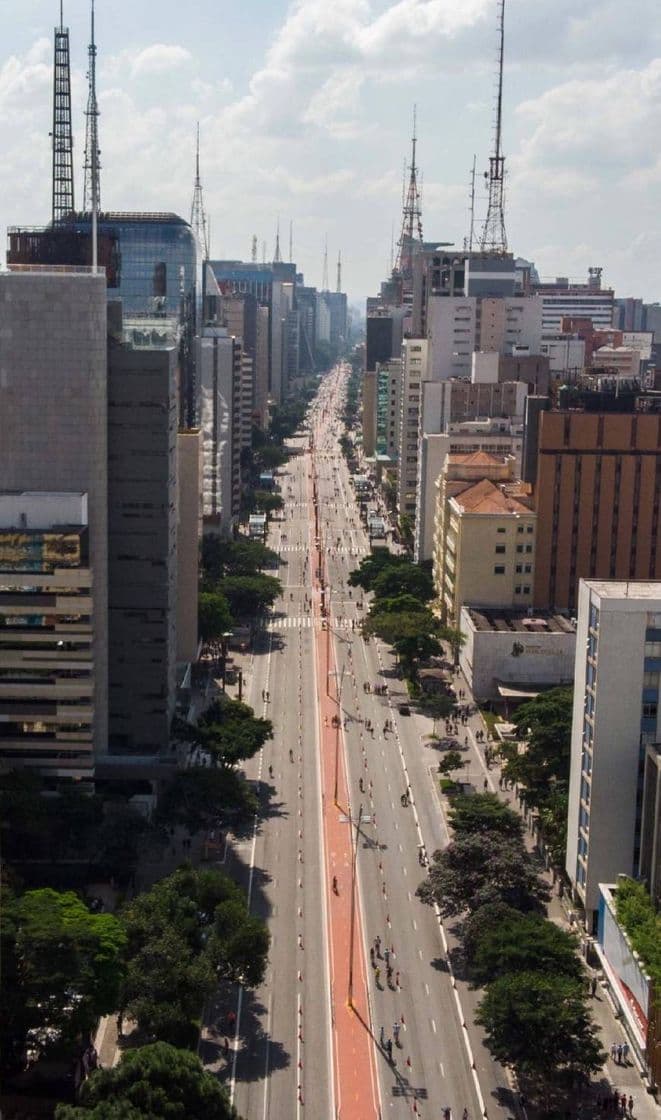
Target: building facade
[(615, 718)]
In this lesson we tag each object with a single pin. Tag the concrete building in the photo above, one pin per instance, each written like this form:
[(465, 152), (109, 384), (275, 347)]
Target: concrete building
[(414, 371), (457, 326), (585, 301), (388, 409), (615, 719), (48, 718), (565, 352), (484, 540), (142, 533), (496, 436), (219, 369), (189, 533), (53, 402), (620, 361), (511, 655), (597, 497), (369, 413)]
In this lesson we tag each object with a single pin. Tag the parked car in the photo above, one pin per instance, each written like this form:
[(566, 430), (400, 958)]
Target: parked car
[(403, 709)]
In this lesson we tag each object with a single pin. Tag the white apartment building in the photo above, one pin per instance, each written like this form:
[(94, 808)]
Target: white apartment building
[(415, 371), (577, 301), (565, 353), (459, 325), (615, 722)]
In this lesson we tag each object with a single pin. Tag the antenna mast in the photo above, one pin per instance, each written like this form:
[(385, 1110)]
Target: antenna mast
[(324, 279), (339, 272), (494, 237), (276, 256), (62, 134), (471, 230), (253, 252), (411, 215), (198, 217)]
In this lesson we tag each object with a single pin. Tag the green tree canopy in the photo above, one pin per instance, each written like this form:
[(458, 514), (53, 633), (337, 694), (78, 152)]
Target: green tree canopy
[(484, 813), (240, 556), (214, 617), (539, 1024), (437, 706), (451, 760), (249, 596), (150, 1083), (188, 930), (498, 939), (404, 579), (411, 633), (229, 731), (373, 565), (199, 795), (476, 869), (62, 966), (266, 501)]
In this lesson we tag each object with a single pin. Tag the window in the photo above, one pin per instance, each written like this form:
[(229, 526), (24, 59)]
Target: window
[(526, 589), (519, 548), (528, 548), (529, 528), (650, 711), (500, 548), (501, 529), (528, 568), (519, 528), (499, 570), (517, 589), (519, 569)]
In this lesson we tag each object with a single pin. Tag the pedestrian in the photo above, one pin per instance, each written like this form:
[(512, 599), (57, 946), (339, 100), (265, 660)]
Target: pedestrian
[(613, 1050), (386, 955), (395, 1031), (593, 986), (377, 976), (397, 979), (382, 1037), (631, 1106), (372, 961), (226, 1046), (389, 1049), (377, 945), (625, 1052), (619, 1053)]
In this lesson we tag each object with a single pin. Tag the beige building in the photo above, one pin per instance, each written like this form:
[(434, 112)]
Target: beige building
[(189, 533), (369, 413), (484, 538), (414, 373)]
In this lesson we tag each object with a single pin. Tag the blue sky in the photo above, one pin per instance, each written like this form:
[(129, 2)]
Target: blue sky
[(305, 112)]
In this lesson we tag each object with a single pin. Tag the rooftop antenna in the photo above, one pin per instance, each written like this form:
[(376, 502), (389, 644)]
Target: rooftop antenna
[(62, 134), (253, 253), (411, 212), (91, 180), (324, 279), (291, 241), (263, 252), (276, 256), (494, 237), (198, 218), (339, 272), (471, 228), (392, 246)]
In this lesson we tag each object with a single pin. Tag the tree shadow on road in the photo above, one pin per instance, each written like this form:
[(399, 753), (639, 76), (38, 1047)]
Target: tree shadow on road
[(253, 1040)]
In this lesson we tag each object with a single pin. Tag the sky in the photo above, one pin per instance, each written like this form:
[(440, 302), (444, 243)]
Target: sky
[(305, 112)]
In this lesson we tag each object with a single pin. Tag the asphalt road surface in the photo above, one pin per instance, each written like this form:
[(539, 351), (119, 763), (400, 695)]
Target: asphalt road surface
[(288, 1050)]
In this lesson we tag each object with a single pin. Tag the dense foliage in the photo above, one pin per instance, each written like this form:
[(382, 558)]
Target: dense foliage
[(642, 924), (186, 932), (150, 1083)]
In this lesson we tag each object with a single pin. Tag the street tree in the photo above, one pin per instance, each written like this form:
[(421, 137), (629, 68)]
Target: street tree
[(484, 813), (189, 929), (199, 796), (498, 939), (230, 732), (476, 869), (249, 596), (437, 706), (214, 619), (156, 1082), (404, 579), (372, 565), (241, 556), (451, 760), (411, 633), (267, 502), (62, 966), (539, 1024)]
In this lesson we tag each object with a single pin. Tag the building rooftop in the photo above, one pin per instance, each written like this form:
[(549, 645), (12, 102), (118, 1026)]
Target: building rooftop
[(625, 589), (475, 459), (486, 497), (500, 620)]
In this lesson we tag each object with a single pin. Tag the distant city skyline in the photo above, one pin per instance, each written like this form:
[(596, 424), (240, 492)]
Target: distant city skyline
[(305, 113)]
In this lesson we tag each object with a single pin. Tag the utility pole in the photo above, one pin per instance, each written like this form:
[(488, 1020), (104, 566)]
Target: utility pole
[(494, 237), (62, 134)]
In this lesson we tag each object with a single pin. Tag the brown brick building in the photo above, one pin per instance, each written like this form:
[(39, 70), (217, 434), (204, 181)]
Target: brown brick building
[(597, 497)]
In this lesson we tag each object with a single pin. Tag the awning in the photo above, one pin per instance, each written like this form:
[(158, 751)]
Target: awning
[(519, 691)]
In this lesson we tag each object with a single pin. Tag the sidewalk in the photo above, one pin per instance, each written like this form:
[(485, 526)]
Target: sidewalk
[(625, 1077)]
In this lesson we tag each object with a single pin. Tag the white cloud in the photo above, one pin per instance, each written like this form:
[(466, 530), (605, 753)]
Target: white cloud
[(159, 59)]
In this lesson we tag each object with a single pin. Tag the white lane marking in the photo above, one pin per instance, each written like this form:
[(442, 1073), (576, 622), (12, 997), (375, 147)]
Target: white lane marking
[(427, 988), (414, 923)]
